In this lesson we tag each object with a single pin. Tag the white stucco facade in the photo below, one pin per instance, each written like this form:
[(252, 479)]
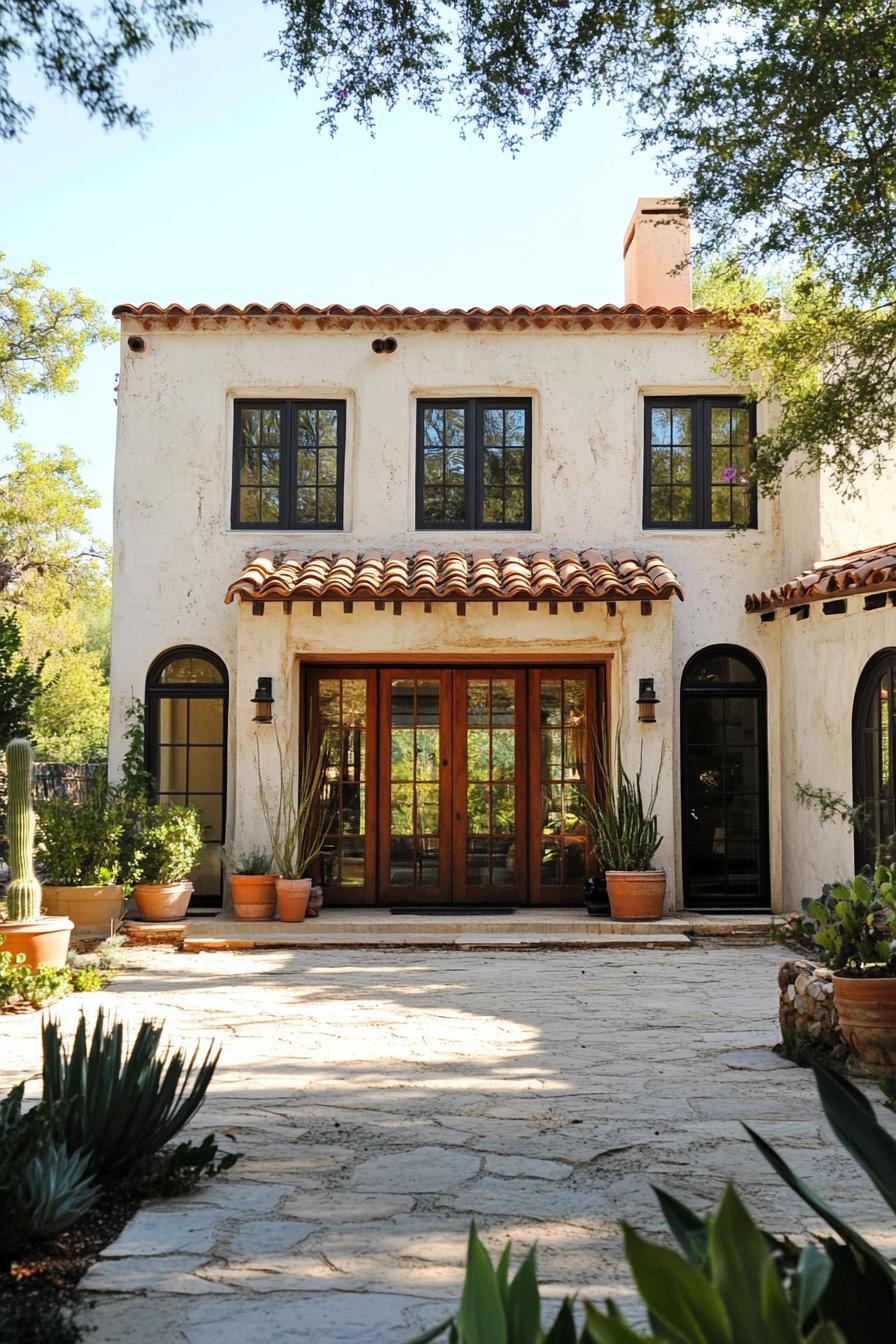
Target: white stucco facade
[(176, 552)]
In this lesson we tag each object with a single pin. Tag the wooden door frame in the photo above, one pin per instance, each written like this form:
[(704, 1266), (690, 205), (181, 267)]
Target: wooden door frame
[(376, 890)]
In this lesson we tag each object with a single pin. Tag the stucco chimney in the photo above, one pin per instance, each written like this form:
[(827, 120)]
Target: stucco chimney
[(657, 240)]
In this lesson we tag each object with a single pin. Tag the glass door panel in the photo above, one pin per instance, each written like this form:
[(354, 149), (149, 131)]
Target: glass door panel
[(415, 787), (342, 716), (187, 738), (489, 787), (564, 711)]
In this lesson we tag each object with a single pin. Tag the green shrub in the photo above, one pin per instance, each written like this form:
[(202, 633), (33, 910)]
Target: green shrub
[(165, 840), (729, 1282), (32, 1319), (80, 842), (851, 924), (44, 1186), (121, 1105), (18, 982)]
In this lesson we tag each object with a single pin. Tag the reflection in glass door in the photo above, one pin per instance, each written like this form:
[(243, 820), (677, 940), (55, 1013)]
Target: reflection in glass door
[(565, 710), (341, 715), (415, 787), (489, 788)]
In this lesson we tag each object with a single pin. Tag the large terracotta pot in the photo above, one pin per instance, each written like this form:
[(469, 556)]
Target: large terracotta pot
[(159, 902), (254, 896), (292, 898), (44, 941), (94, 911), (866, 1008), (635, 896)]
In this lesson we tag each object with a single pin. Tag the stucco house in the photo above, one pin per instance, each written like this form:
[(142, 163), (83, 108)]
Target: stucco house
[(453, 543)]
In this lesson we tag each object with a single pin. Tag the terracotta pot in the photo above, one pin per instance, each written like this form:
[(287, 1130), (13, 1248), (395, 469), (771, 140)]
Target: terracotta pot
[(292, 898), (162, 901), (315, 901), (44, 941), (635, 896), (867, 1012), (94, 911), (253, 895)]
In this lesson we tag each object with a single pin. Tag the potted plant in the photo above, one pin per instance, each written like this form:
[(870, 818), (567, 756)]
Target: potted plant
[(166, 843), (252, 884), (43, 940), (79, 854), (625, 836), (851, 926), (296, 824)]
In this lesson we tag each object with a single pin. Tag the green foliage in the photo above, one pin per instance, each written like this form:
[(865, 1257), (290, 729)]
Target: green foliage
[(830, 806), (296, 820), (137, 784), (44, 1187), (72, 711), (729, 1282), (81, 52), (178, 1170), (19, 984), (79, 843), (255, 862), (166, 841), (34, 1319), (23, 894), (20, 680), (851, 923), (624, 827), (118, 1103)]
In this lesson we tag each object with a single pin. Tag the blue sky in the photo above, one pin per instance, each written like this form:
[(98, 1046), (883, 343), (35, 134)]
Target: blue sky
[(234, 196)]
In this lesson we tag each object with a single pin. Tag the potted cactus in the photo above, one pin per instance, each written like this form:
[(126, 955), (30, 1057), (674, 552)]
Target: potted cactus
[(44, 940)]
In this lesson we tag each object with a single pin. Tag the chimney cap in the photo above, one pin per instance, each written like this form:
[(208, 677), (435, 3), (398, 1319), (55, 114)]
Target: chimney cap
[(656, 208)]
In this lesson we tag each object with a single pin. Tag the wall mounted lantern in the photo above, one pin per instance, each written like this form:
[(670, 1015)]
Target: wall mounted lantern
[(647, 700), (263, 700)]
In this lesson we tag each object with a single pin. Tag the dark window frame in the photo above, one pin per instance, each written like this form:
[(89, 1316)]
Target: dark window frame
[(701, 464), (289, 408), (869, 679), (474, 457)]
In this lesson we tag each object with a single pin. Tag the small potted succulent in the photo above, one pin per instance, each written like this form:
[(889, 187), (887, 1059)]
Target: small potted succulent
[(296, 822), (851, 926), (43, 940), (252, 884), (166, 841), (80, 855), (625, 836)]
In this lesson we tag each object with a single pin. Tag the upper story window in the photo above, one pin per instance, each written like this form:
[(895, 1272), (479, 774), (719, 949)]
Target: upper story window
[(697, 454), (288, 464), (474, 463)]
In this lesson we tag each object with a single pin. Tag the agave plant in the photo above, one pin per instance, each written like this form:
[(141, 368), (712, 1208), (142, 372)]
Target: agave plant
[(121, 1105), (729, 1282), (623, 824), (43, 1186)]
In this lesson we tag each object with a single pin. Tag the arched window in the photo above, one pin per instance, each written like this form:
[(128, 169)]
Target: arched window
[(186, 744), (724, 764), (874, 754)]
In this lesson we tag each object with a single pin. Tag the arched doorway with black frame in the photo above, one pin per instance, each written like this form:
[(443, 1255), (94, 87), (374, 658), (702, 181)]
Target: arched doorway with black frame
[(724, 775), (186, 752), (874, 756)]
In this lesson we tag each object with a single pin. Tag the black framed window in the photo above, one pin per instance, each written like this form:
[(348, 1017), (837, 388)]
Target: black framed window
[(288, 464), (697, 457), (874, 756), (474, 463)]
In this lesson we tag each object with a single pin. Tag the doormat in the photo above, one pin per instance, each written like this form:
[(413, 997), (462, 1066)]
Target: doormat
[(452, 910)]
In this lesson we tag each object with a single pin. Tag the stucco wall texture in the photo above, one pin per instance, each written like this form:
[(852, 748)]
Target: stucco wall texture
[(175, 552)]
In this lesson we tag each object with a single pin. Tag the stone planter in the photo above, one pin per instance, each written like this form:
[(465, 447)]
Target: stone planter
[(292, 898), (636, 896), (44, 941), (254, 896), (94, 911), (159, 902), (866, 1007)]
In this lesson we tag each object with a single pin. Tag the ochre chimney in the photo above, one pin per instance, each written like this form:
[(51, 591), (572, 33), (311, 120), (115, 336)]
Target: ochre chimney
[(657, 241)]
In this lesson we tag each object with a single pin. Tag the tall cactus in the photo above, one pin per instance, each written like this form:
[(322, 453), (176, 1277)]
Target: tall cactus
[(23, 893)]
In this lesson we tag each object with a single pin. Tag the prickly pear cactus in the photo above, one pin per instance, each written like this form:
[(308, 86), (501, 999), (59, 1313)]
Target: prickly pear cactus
[(23, 893)]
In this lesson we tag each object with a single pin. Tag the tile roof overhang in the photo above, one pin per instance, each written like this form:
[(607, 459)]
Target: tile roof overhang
[(861, 573), (334, 316), (455, 576)]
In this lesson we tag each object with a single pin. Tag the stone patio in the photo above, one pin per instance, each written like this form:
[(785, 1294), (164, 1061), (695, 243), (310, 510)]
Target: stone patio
[(383, 1098)]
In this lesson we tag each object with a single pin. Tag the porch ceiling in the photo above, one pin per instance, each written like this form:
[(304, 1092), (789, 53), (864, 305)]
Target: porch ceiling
[(455, 576), (861, 573)]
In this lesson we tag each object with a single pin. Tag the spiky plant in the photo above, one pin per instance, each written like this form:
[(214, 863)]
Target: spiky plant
[(297, 820), (23, 892), (623, 823)]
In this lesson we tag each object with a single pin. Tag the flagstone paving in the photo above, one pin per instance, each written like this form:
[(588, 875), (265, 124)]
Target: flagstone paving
[(383, 1098)]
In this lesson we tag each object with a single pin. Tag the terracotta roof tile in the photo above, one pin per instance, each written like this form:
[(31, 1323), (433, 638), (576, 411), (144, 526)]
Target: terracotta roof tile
[(573, 317), (454, 575), (861, 572)]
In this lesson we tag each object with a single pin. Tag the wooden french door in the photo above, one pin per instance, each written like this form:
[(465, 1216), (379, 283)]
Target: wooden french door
[(455, 785)]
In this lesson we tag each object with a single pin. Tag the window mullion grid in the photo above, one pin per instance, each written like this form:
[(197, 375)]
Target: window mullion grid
[(288, 433), (701, 471), (474, 464)]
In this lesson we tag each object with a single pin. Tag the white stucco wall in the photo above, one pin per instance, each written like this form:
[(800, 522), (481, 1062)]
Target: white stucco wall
[(175, 553)]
